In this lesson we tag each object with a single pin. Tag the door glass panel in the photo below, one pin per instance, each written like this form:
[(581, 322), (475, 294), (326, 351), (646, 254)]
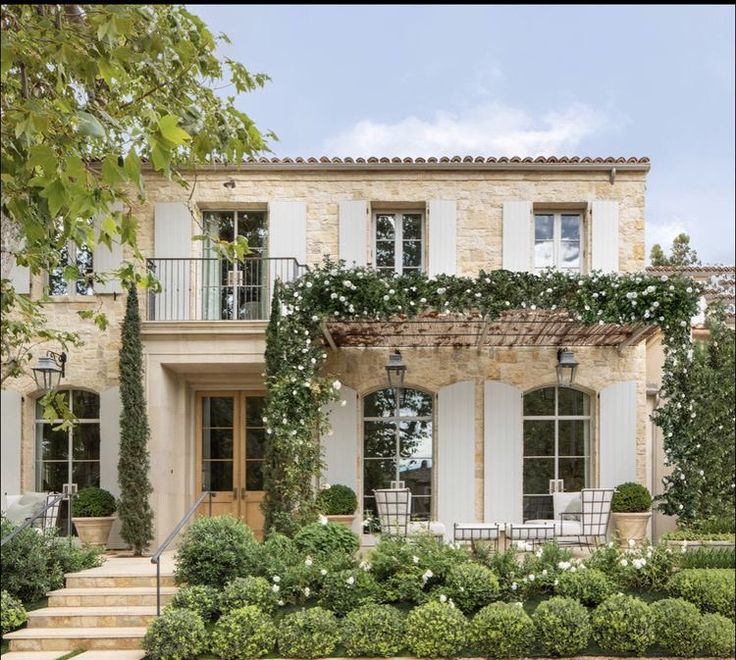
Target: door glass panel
[(254, 406), (380, 439), (415, 439), (253, 475), (540, 403), (416, 473), (254, 443), (573, 402), (86, 474), (412, 226), (537, 473), (573, 438), (51, 476), (217, 412), (412, 254), (217, 444), (86, 442), (85, 405), (385, 254), (539, 437), (252, 225), (380, 404), (574, 471), (217, 475), (385, 227), (53, 445), (538, 507)]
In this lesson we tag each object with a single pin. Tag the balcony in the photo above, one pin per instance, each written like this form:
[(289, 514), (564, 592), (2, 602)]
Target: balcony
[(205, 289)]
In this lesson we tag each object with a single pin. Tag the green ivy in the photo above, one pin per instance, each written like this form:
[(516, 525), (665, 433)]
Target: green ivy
[(298, 388)]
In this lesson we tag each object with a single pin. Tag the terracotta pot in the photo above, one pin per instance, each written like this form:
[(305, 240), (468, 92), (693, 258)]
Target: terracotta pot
[(343, 520), (631, 526), (94, 531)]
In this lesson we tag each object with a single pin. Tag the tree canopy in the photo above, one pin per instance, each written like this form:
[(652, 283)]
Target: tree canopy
[(92, 96), (681, 255)]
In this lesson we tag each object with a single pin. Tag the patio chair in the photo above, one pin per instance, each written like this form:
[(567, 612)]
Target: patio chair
[(394, 515), (589, 525), (19, 508)]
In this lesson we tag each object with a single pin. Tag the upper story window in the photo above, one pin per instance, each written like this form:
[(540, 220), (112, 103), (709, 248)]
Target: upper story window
[(557, 241), (252, 225), (76, 256), (399, 241)]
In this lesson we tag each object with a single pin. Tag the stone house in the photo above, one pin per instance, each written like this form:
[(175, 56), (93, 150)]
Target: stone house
[(483, 432)]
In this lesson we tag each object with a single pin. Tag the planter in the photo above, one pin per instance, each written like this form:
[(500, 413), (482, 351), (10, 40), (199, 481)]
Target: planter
[(94, 531), (347, 521), (631, 526)]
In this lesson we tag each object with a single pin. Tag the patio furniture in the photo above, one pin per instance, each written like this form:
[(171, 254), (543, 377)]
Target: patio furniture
[(589, 526), (394, 514), (477, 531), (530, 533), (19, 508)]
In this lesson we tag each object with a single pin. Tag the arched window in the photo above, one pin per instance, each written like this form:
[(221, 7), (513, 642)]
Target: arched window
[(397, 446), (556, 447), (69, 455)]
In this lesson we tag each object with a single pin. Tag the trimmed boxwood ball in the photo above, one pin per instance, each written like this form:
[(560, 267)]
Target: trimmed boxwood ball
[(711, 589), (590, 586), (312, 633), (243, 634), (249, 590), (215, 550), (277, 553), (436, 630), (373, 631), (93, 503), (325, 540), (471, 586), (337, 500), (343, 591), (175, 635), (563, 626), (624, 624), (717, 636), (631, 498), (677, 625), (12, 613), (199, 598), (503, 630)]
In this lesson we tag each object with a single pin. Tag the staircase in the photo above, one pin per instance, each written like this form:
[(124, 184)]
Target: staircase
[(100, 609)]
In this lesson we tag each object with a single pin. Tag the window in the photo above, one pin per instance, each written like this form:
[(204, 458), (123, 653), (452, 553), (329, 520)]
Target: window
[(399, 241), (71, 455), (556, 447), (76, 256), (557, 242), (397, 446)]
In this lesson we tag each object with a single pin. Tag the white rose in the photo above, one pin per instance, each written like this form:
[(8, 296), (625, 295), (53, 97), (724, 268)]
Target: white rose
[(350, 580), (323, 572), (308, 561), (322, 520), (415, 559), (443, 598), (276, 578), (275, 588)]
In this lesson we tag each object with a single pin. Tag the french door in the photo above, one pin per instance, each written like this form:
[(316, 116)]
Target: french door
[(230, 445)]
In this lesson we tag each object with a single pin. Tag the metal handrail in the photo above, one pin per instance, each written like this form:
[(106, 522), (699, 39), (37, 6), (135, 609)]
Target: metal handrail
[(156, 558), (33, 519)]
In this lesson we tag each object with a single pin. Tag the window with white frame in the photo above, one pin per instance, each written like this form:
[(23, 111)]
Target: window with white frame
[(73, 274), (558, 240), (399, 241)]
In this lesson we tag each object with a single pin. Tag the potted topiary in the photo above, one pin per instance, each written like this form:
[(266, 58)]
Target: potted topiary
[(338, 503), (631, 509), (92, 510)]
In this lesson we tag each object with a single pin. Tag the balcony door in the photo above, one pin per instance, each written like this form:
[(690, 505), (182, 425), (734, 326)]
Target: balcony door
[(230, 444)]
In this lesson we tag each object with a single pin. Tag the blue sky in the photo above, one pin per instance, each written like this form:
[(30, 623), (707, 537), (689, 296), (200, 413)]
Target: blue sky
[(493, 81)]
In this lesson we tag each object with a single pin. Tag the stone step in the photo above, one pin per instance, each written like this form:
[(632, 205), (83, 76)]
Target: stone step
[(69, 639), (92, 617), (85, 580), (110, 655), (33, 655), (109, 596)]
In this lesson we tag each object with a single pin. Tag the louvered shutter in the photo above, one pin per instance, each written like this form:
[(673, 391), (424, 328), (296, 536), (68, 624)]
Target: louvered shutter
[(353, 232), (617, 434), (442, 237), (604, 236), (107, 260), (517, 236), (173, 250), (10, 441)]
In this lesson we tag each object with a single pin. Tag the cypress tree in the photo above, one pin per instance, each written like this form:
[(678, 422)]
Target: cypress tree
[(134, 508)]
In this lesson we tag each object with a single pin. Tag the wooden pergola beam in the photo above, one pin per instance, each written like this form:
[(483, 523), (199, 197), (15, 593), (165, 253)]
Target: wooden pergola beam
[(634, 337), (328, 336)]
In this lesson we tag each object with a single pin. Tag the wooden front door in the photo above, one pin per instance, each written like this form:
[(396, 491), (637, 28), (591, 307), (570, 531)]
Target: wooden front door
[(230, 444)]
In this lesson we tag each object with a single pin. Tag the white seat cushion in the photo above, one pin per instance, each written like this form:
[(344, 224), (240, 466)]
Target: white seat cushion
[(564, 528), (25, 507), (483, 531), (434, 527)]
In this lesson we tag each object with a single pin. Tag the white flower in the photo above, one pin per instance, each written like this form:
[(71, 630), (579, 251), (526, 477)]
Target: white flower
[(366, 566), (573, 569), (308, 561), (322, 519), (624, 562), (532, 577), (514, 586), (350, 580), (556, 582), (632, 543), (307, 591), (544, 572), (426, 575), (564, 565), (415, 559), (276, 579), (538, 553), (281, 603), (336, 385), (323, 571), (443, 598), (275, 588)]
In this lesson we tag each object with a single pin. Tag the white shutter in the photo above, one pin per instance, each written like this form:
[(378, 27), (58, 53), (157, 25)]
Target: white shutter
[(353, 232), (19, 276), (110, 407), (10, 441), (455, 459), (173, 243), (604, 234), (517, 236), (503, 453), (106, 260), (287, 230), (617, 434), (442, 237)]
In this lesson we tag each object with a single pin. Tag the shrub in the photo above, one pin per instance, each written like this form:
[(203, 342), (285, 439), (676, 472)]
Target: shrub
[(642, 568), (311, 633), (503, 630), (175, 635), (343, 591), (93, 503), (249, 590), (471, 586), (198, 598), (721, 524), (590, 586), (325, 540), (711, 589), (337, 500), (215, 550), (243, 633), (373, 630), (677, 626), (562, 626), (12, 612), (695, 535), (624, 624), (631, 498), (717, 636), (436, 630), (277, 553), (708, 558)]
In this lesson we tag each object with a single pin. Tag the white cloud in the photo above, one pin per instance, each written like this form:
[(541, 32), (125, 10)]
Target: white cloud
[(489, 129), (664, 233)]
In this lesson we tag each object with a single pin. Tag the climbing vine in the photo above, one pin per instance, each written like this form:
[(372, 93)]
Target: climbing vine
[(298, 388)]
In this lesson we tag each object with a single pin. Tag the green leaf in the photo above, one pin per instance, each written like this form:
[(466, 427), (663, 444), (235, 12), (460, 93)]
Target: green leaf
[(89, 125), (42, 155), (111, 173), (159, 156), (169, 129), (55, 194), (74, 167)]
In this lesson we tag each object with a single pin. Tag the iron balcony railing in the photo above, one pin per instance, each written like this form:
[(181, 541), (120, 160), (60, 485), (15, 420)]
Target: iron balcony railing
[(206, 289)]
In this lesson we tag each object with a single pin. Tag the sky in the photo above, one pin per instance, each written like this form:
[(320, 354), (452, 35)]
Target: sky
[(507, 81)]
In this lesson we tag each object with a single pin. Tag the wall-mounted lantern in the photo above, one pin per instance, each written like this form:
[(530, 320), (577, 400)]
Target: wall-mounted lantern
[(566, 367), (49, 370)]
